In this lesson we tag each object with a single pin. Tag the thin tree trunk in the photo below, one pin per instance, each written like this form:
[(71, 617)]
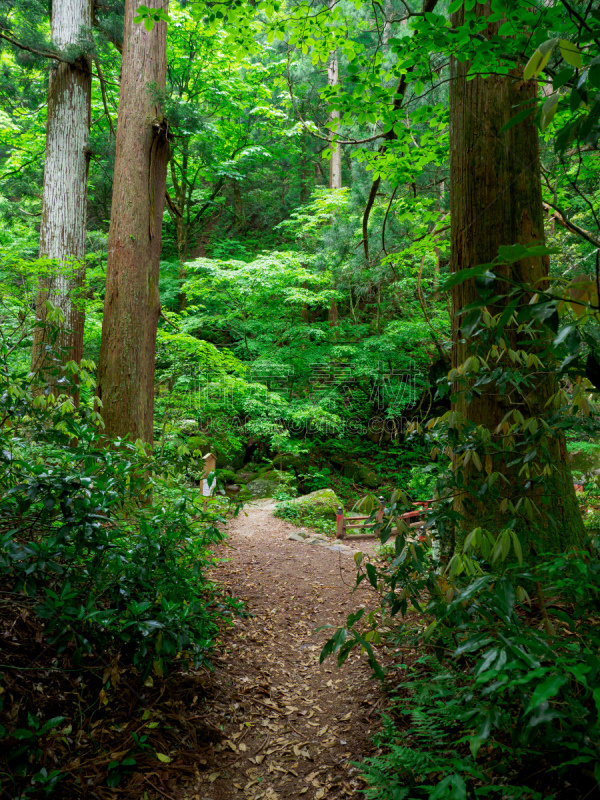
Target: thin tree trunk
[(495, 199), (304, 173), (132, 302), (335, 163), (63, 223), (238, 206)]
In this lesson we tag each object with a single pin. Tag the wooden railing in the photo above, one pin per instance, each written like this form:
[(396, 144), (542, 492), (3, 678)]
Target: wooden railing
[(414, 519)]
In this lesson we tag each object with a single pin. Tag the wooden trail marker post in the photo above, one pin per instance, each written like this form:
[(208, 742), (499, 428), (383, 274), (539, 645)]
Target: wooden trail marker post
[(342, 522), (208, 488)]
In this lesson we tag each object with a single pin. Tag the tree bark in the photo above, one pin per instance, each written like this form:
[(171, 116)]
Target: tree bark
[(132, 302), (335, 163), (496, 199), (63, 223)]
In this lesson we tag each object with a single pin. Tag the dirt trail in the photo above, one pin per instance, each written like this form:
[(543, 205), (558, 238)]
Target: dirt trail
[(291, 726)]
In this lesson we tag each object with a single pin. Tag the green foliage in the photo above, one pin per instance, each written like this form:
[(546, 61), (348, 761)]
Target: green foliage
[(508, 696)]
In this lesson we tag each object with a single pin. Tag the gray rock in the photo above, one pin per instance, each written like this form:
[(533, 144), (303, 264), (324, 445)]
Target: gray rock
[(262, 488), (303, 533), (340, 548), (244, 476), (189, 427), (295, 537), (322, 541)]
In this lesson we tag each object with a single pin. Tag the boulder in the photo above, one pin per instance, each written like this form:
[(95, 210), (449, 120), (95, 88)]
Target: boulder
[(188, 427), (349, 469), (322, 503), (367, 477), (586, 458), (287, 462), (227, 476), (231, 458), (245, 476), (363, 475), (274, 475), (260, 487)]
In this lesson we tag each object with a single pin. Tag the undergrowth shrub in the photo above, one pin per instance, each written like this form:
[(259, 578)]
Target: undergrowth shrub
[(107, 546)]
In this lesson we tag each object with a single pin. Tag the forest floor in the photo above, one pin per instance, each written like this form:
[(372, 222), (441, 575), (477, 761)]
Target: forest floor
[(291, 727)]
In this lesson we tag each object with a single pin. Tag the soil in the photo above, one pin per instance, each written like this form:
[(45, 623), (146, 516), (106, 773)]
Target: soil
[(291, 728)]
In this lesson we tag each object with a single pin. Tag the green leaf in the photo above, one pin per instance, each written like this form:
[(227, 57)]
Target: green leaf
[(165, 759), (453, 787), (545, 690), (474, 745), (463, 275), (570, 52), (372, 574), (517, 546), (563, 334), (536, 64), (564, 76), (549, 109), (526, 112)]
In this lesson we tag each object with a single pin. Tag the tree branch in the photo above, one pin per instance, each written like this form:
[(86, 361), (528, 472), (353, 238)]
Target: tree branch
[(104, 100), (559, 216), (27, 48), (428, 6)]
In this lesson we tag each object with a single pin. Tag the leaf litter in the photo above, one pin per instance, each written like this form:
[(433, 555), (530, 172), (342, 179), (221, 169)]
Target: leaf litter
[(303, 724)]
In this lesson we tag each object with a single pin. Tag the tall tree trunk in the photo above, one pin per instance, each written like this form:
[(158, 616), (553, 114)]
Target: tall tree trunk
[(335, 163), (495, 199), (238, 206), (63, 224), (132, 302), (304, 173)]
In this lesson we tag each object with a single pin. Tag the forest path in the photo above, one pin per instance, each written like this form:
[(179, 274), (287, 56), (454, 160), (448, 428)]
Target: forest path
[(291, 726)]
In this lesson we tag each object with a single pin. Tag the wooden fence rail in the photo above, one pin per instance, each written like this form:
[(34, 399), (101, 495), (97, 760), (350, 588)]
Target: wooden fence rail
[(414, 519)]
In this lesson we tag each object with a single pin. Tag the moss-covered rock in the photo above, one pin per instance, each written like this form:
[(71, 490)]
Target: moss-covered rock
[(227, 476), (245, 476), (274, 475), (287, 462), (365, 476), (322, 503), (260, 487), (584, 457)]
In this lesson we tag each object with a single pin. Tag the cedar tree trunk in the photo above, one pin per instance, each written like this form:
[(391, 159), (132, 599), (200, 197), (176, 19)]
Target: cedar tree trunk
[(496, 199), (63, 224), (132, 302)]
